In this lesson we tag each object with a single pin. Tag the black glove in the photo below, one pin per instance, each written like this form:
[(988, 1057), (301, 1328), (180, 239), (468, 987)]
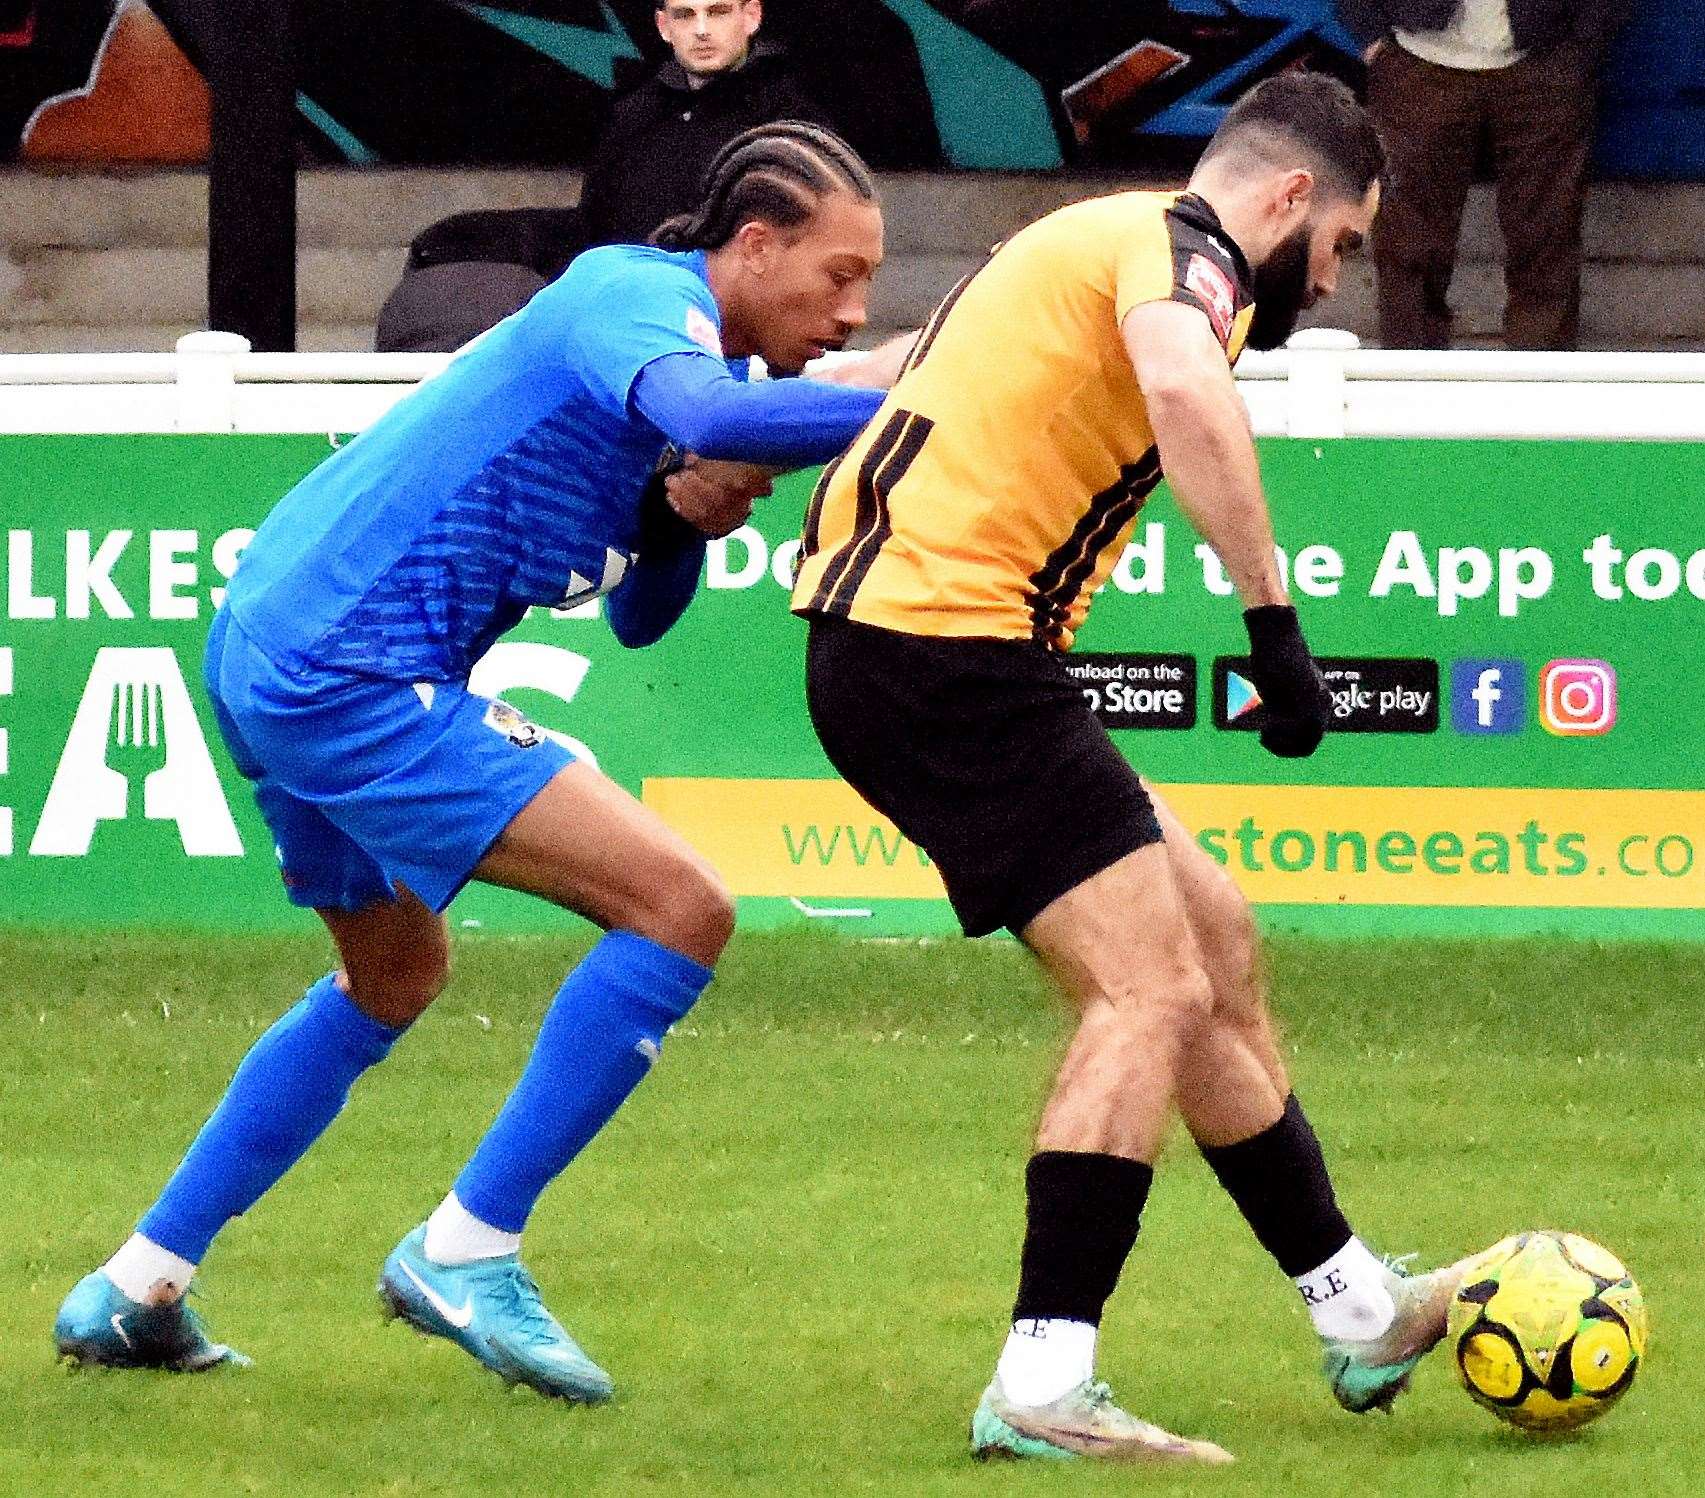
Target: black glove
[(1293, 692)]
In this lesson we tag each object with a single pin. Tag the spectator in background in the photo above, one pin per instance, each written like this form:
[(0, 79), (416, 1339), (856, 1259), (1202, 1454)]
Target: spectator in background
[(663, 134), (470, 271), (1447, 81)]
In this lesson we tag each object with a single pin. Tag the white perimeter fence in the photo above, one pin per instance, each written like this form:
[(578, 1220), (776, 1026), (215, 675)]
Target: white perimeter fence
[(1321, 385)]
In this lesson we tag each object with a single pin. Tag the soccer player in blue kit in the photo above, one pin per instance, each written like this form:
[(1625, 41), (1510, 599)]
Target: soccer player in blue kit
[(522, 475)]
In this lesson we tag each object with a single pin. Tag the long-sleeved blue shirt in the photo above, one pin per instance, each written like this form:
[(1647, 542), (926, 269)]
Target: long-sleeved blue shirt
[(515, 478)]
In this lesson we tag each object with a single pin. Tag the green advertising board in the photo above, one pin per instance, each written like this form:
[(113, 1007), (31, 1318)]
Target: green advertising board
[(1512, 633)]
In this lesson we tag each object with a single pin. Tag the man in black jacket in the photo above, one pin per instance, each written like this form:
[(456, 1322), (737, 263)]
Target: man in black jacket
[(1447, 80), (472, 269), (719, 83)]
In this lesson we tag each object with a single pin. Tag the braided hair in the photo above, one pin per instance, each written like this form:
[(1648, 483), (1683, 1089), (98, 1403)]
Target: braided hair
[(777, 173)]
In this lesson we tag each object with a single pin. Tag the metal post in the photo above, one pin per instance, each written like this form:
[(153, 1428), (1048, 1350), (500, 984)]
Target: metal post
[(251, 171)]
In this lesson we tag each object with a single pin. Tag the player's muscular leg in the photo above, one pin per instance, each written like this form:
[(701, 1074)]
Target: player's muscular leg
[(1121, 946), (394, 956), (1232, 1081), (585, 844)]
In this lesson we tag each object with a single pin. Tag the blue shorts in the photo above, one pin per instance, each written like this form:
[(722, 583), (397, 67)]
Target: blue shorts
[(368, 784)]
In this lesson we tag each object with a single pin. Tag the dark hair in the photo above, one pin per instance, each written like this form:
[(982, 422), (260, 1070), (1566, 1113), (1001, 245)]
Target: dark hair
[(1305, 119), (777, 173)]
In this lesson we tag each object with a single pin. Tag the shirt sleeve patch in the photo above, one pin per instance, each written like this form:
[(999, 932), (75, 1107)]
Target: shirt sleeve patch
[(1208, 284), (703, 332)]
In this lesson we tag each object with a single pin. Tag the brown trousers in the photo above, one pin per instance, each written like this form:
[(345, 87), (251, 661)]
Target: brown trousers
[(1536, 119)]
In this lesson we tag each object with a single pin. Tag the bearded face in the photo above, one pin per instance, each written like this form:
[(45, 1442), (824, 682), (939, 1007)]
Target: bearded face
[(1281, 289)]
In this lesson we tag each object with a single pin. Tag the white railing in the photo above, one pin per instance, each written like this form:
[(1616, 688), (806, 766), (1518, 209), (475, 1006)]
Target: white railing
[(1322, 385), (212, 383)]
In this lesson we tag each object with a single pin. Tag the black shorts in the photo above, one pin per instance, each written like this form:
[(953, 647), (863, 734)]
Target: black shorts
[(985, 755)]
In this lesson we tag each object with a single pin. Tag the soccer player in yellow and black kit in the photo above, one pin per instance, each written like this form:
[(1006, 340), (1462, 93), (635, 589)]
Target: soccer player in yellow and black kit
[(949, 557)]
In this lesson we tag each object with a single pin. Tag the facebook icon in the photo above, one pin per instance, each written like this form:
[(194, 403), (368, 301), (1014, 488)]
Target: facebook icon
[(1487, 696)]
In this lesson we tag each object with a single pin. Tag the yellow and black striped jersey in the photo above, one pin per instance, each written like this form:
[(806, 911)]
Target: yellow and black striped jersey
[(994, 490)]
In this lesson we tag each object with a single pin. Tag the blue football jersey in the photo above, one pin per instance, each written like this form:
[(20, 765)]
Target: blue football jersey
[(511, 479)]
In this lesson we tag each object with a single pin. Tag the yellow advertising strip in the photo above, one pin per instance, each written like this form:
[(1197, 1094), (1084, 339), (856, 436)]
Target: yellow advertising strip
[(1317, 845)]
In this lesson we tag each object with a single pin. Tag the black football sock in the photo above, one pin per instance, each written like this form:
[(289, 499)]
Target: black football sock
[(1278, 1180), (1081, 1220)]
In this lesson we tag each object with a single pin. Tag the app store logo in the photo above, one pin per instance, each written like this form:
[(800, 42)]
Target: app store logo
[(1577, 698), (1137, 691), (1487, 696)]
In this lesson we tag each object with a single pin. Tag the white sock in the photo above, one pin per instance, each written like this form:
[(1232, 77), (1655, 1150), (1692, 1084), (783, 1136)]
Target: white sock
[(455, 1236), (147, 1273), (1044, 1359), (1347, 1296)]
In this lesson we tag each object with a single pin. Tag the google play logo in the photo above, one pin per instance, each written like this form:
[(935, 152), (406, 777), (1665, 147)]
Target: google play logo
[(1240, 696)]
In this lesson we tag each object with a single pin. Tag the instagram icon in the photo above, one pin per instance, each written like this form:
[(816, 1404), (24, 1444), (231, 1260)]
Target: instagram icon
[(1577, 698)]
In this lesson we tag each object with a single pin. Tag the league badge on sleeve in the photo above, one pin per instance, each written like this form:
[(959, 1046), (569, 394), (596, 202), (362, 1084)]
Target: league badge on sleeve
[(1212, 287), (703, 332)]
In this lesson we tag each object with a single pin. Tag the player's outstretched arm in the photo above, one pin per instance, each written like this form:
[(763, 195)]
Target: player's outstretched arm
[(701, 408), (876, 370), (1208, 453)]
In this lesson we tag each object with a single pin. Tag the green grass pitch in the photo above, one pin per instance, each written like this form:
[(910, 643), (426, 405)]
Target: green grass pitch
[(796, 1248)]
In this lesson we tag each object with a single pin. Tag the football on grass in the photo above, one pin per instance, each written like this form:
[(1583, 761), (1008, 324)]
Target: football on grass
[(1547, 1330)]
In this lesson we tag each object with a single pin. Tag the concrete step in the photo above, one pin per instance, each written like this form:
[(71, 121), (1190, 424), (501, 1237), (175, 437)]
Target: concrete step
[(933, 213), (968, 213), (358, 207), (162, 337), (98, 286), (314, 337), (128, 286), (104, 255), (949, 213), (1646, 222), (909, 286), (1623, 305), (78, 210), (169, 208), (336, 338)]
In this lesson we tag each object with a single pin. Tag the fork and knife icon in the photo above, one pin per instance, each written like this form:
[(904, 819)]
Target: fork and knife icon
[(136, 739), (136, 726)]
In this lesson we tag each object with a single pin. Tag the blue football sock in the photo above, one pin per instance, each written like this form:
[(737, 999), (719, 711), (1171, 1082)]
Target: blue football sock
[(288, 1089), (600, 1036)]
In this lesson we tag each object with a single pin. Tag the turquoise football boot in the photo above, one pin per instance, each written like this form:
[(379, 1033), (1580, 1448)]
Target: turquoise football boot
[(99, 1324), (1082, 1422), (490, 1309), (1369, 1374)]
